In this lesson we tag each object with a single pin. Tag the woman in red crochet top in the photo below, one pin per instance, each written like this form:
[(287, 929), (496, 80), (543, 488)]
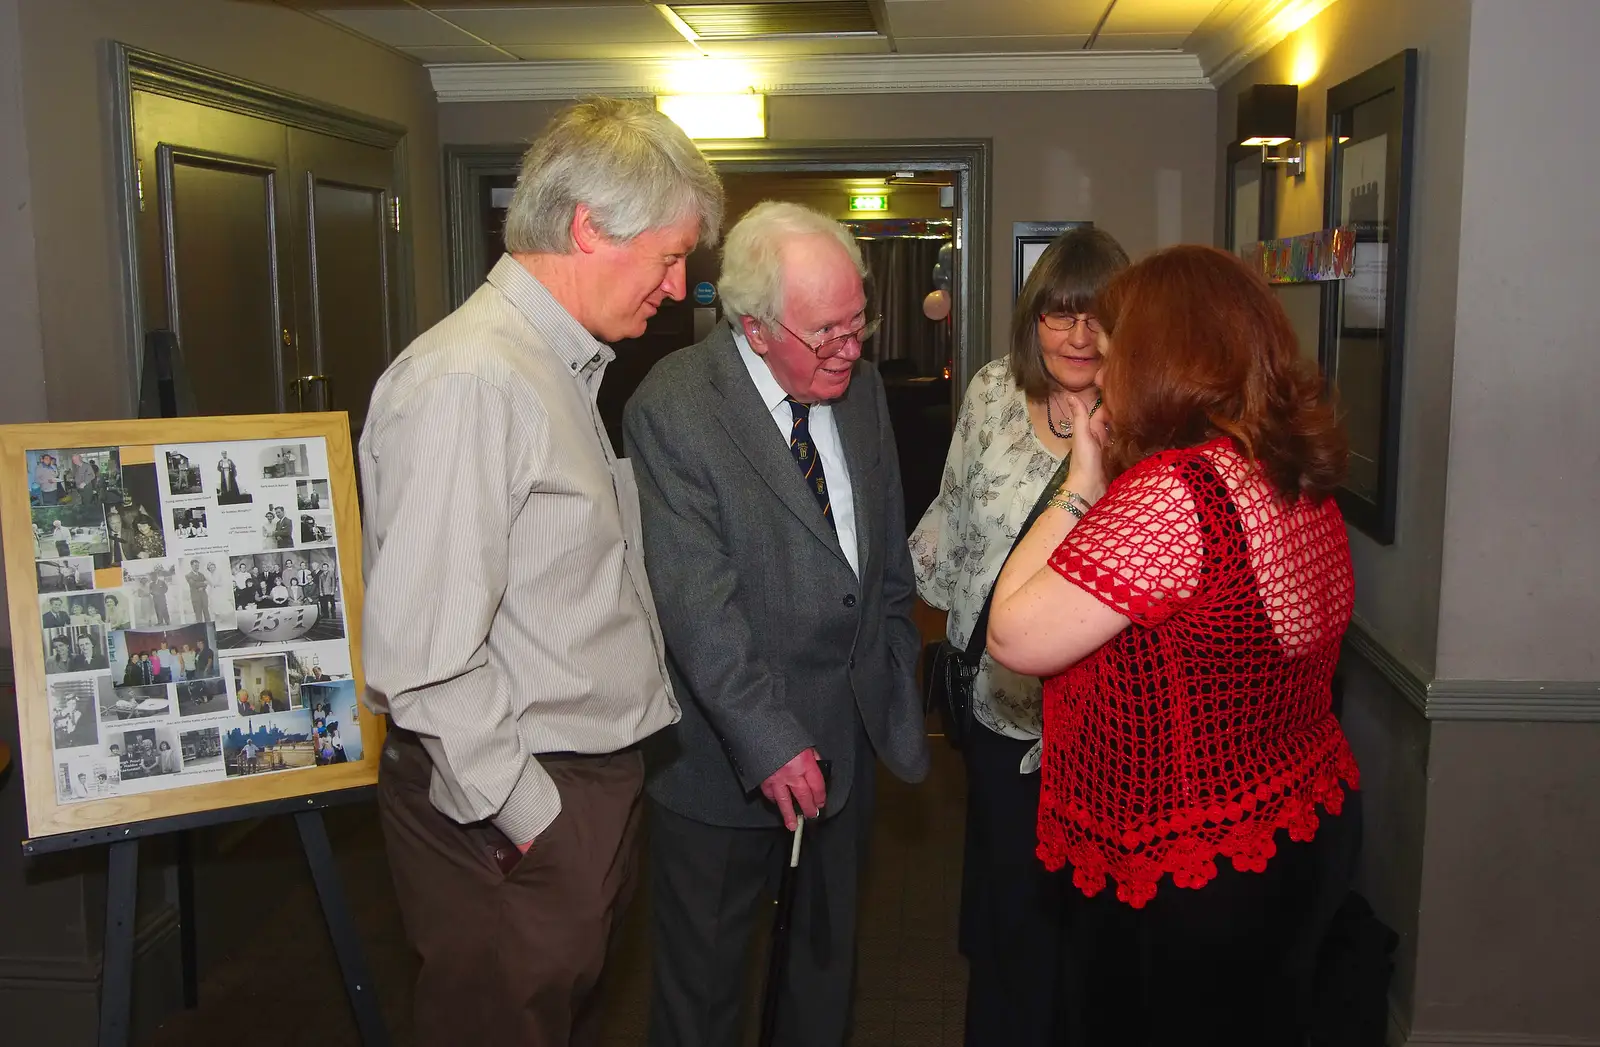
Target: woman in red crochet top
[(1187, 619)]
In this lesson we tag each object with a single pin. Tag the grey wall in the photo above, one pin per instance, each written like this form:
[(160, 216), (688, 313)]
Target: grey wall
[(1397, 586), (1509, 911), (1096, 155), (1521, 572), (71, 159)]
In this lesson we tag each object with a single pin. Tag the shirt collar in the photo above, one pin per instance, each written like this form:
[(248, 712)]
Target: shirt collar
[(767, 387), (577, 348)]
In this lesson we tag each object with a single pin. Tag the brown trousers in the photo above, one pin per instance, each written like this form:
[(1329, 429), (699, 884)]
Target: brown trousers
[(514, 957)]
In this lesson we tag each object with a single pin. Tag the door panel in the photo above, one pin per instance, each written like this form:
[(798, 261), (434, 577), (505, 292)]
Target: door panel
[(352, 314), (213, 249)]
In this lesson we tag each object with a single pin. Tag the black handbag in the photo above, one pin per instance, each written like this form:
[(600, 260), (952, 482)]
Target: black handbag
[(949, 672)]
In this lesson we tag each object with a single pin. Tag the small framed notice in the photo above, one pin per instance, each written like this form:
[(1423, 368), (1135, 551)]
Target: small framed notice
[(185, 599)]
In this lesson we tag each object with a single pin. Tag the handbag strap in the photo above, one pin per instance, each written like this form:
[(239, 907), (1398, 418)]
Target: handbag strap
[(980, 630)]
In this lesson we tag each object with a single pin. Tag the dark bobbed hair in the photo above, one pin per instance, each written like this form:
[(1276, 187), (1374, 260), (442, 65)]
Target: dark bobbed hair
[(1068, 278), (1200, 347)]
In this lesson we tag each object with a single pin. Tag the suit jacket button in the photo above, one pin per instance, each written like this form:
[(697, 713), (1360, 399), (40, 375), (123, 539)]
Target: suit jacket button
[(852, 661), (849, 599)]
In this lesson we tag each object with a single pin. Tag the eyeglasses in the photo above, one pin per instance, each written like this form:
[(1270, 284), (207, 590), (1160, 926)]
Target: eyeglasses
[(1062, 322), (835, 345)]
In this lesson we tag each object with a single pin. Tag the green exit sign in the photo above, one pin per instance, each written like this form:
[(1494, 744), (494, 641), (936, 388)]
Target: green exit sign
[(869, 202)]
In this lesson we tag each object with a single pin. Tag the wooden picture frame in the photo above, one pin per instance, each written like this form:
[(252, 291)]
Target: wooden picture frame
[(1370, 141), (42, 723), (1244, 198)]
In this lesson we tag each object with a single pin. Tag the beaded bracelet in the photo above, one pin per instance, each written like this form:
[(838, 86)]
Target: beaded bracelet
[(1066, 503)]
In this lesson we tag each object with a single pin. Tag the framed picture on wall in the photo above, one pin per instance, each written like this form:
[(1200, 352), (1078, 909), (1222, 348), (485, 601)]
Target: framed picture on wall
[(1371, 126), (1252, 198), (1029, 239)]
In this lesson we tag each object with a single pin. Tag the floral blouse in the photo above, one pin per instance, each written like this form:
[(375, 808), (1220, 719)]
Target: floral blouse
[(995, 472)]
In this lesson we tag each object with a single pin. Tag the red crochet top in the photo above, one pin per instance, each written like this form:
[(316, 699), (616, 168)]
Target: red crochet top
[(1205, 726)]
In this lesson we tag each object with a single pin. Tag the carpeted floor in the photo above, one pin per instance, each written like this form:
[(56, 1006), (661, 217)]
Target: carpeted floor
[(910, 989)]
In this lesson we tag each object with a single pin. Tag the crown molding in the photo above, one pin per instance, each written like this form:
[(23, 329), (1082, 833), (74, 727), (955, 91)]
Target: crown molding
[(831, 74), (1225, 45)]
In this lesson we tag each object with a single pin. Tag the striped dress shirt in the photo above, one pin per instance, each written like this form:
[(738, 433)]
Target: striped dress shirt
[(508, 612)]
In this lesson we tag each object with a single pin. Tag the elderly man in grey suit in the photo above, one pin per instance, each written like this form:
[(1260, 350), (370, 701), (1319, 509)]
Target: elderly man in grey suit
[(775, 542)]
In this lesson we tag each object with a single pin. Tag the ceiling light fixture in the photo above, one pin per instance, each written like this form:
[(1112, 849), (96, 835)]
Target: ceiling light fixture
[(717, 117)]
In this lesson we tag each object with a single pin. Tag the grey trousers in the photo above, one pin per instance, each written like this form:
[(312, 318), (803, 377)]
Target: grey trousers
[(708, 891)]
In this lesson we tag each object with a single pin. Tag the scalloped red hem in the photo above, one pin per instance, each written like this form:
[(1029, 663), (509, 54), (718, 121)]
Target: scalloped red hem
[(1190, 860)]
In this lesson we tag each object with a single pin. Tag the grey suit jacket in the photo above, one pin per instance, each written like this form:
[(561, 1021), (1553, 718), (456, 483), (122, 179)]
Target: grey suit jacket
[(773, 644)]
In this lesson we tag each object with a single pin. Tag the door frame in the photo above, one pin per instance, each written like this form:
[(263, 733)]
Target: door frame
[(973, 158), (133, 70)]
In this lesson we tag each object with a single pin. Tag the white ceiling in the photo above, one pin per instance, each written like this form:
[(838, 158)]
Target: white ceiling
[(466, 31)]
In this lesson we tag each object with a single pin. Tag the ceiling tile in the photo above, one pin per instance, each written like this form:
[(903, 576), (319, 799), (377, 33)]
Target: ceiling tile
[(408, 28), (593, 52), (1140, 41), (1158, 16), (813, 45), (566, 25), (454, 55), (946, 45), (964, 18)]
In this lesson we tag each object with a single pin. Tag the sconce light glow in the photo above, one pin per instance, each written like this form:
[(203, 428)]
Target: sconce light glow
[(1264, 141), (1307, 63), (717, 117)]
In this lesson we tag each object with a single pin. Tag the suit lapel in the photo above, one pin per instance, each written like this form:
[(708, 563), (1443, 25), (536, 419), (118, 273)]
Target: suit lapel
[(750, 427)]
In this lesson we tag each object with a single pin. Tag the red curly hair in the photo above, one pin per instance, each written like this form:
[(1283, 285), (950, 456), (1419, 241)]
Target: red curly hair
[(1201, 348)]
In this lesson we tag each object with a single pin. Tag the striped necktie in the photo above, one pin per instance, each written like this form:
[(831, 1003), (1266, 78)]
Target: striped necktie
[(805, 454)]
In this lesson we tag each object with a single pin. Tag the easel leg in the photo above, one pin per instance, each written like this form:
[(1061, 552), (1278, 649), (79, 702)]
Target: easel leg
[(341, 928), (186, 943), (116, 976)]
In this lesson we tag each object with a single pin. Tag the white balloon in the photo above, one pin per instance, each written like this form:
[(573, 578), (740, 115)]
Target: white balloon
[(936, 306)]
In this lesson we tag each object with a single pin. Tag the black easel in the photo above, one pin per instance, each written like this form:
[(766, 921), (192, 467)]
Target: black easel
[(122, 887)]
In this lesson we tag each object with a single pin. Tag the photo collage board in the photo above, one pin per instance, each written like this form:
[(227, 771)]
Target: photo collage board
[(194, 617)]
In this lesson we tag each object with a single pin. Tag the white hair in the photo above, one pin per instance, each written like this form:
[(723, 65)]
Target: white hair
[(633, 168), (752, 257)]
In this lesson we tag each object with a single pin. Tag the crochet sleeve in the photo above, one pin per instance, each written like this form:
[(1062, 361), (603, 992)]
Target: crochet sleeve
[(1139, 550)]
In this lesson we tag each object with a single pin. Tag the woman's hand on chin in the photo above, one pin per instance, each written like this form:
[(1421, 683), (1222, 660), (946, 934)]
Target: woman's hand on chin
[(1086, 476)]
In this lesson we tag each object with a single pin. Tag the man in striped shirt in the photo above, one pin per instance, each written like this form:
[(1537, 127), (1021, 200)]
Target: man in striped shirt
[(510, 633)]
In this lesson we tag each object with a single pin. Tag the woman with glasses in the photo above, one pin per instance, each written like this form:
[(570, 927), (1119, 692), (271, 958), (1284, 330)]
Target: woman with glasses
[(1011, 437), (1189, 618)]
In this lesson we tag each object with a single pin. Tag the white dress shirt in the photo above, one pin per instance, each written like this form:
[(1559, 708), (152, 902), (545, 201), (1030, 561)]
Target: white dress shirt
[(824, 433)]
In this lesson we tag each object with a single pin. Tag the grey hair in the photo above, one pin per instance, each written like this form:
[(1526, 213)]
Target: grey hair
[(633, 168), (752, 258)]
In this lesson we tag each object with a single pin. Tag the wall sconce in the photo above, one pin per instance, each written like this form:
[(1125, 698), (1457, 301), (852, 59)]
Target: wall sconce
[(717, 117), (1267, 118)]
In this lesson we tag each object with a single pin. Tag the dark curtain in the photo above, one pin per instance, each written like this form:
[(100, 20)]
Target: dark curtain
[(899, 276)]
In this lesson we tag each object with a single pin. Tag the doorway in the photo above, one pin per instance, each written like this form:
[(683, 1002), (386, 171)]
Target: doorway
[(265, 232), (923, 397)]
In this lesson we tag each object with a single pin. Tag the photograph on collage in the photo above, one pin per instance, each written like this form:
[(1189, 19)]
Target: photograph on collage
[(335, 720), (145, 657), (148, 752), (75, 649), (81, 476), (201, 748), (133, 703), (72, 712), (69, 574), (291, 596), (70, 529), (261, 685), (284, 461), (276, 742)]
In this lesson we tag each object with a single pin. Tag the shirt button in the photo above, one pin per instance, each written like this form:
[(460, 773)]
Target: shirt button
[(849, 599)]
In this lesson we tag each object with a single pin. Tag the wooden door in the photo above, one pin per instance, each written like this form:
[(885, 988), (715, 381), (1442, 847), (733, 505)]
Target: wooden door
[(272, 252), (215, 249), (347, 245)]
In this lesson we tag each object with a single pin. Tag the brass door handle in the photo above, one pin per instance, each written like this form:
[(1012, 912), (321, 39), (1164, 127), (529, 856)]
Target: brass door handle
[(300, 384)]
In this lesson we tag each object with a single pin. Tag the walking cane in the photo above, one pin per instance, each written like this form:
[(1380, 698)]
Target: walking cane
[(781, 926), (780, 938)]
